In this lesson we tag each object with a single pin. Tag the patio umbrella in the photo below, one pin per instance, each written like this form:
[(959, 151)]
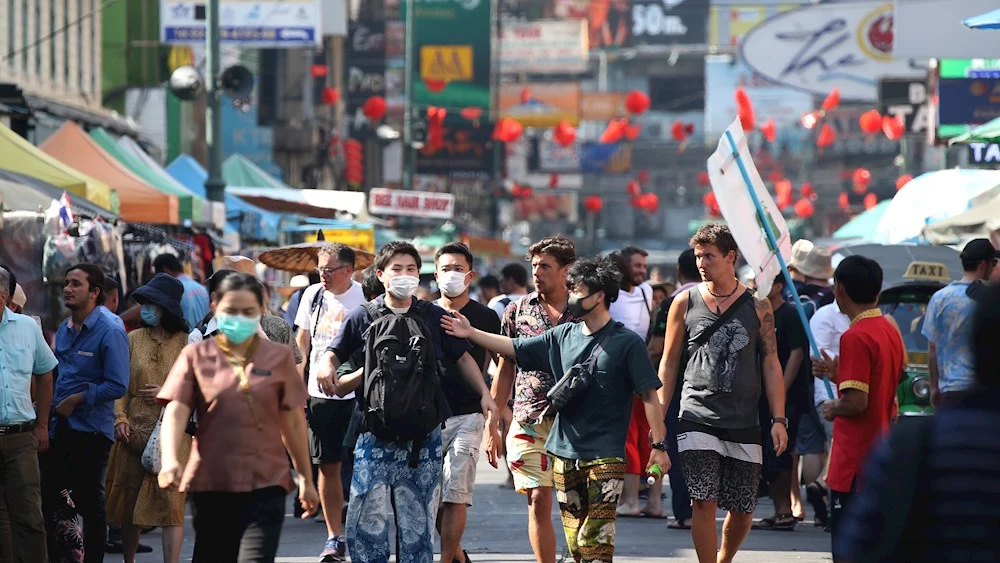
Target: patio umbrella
[(864, 224), (988, 132), (304, 257), (989, 20)]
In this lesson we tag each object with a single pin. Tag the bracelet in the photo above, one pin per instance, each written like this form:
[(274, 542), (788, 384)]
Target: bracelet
[(779, 420)]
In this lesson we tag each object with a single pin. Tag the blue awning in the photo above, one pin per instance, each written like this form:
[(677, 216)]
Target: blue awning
[(252, 222)]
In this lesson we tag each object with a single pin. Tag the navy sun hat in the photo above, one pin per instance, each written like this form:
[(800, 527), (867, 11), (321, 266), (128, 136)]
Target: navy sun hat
[(163, 290)]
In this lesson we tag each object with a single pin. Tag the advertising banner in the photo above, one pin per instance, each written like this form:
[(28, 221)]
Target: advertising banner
[(541, 105), (362, 239), (847, 45), (727, 25), (467, 151), (606, 158), (669, 22), (609, 22), (452, 43), (382, 201), (602, 106), (284, 23), (544, 47), (364, 69), (967, 93)]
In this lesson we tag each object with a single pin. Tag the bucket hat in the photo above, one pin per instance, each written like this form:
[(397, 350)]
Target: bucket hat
[(811, 260), (163, 290)]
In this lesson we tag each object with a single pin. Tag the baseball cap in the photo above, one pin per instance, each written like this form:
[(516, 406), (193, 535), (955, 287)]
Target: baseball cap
[(978, 250)]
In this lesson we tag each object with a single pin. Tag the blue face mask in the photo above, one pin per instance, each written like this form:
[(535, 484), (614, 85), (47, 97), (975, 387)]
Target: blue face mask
[(150, 314), (237, 328)]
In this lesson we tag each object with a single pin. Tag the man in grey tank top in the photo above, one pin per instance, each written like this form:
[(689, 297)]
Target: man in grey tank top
[(718, 433)]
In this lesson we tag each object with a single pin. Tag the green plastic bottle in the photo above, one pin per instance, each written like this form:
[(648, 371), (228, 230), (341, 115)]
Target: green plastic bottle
[(654, 473)]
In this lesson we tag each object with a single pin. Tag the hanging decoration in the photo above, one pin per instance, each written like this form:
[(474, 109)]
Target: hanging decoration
[(809, 120), (769, 130), (703, 179), (317, 70), (712, 203), (783, 186), (614, 132), (525, 95), (507, 130), (861, 178), (870, 122), (844, 202), (331, 95), (633, 188), (637, 102), (632, 132), (826, 137), (744, 109), (650, 202), (832, 100), (553, 180), (643, 176), (472, 114), (435, 86), (871, 200), (783, 200), (593, 203), (679, 133), (808, 191), (374, 108), (435, 128), (564, 134), (804, 208), (893, 127), (902, 181)]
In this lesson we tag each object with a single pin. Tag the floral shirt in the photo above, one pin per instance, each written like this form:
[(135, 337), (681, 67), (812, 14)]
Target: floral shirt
[(524, 318)]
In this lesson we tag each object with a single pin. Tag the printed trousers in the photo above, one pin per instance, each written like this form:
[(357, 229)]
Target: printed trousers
[(588, 493)]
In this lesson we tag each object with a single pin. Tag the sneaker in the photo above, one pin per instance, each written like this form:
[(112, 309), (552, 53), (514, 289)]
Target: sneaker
[(334, 550)]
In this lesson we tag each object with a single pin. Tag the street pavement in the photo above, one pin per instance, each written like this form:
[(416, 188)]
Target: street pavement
[(497, 532)]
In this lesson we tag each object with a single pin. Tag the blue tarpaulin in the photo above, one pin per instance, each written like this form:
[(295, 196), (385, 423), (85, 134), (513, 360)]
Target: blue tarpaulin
[(252, 222)]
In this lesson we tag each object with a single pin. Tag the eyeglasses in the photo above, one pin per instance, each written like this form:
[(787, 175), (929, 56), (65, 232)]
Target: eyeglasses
[(322, 271)]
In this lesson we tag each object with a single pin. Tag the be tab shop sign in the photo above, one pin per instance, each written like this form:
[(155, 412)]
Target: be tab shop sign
[(430, 205)]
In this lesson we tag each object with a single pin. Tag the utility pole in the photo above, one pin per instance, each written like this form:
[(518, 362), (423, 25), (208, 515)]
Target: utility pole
[(409, 55), (215, 186)]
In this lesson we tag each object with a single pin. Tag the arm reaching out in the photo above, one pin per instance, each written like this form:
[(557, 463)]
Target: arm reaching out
[(458, 326)]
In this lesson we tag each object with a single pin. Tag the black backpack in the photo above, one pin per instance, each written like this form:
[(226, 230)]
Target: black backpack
[(402, 382)]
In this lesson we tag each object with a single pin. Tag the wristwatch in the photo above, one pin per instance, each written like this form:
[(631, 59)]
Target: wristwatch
[(662, 446), (779, 419)]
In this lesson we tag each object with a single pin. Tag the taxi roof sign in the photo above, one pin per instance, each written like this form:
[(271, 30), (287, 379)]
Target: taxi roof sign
[(927, 271)]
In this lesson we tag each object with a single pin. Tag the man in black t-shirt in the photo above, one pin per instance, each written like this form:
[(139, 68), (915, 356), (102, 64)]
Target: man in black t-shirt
[(793, 354), (463, 432)]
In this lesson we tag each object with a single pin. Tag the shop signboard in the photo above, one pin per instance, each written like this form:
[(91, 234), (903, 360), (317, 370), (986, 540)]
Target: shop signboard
[(275, 24), (966, 93), (361, 239), (541, 104), (847, 45), (669, 22), (429, 205), (466, 151), (602, 106), (542, 47), (984, 153), (364, 69), (905, 98)]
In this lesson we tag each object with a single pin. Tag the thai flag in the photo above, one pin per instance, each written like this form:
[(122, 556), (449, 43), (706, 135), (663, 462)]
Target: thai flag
[(65, 212)]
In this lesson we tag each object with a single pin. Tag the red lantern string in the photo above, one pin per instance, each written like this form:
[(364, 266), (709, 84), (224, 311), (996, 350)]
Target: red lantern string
[(769, 130)]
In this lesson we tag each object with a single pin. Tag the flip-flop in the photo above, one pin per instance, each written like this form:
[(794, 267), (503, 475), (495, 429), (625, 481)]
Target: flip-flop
[(660, 516), (626, 515), (677, 525)]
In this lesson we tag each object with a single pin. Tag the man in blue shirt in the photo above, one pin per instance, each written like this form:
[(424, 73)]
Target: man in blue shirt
[(948, 325), (195, 300), (92, 350), (24, 355)]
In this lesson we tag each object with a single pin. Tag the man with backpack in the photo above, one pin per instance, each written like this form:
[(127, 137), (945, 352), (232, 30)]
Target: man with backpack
[(399, 451), (605, 365), (321, 313), (513, 284), (463, 432)]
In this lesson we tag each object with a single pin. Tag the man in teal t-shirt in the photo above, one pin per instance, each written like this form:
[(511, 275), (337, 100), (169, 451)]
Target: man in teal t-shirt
[(588, 438)]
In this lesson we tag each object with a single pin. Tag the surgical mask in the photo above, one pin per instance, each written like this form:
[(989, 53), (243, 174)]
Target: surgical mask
[(150, 314), (237, 328), (452, 284), (575, 306), (402, 287)]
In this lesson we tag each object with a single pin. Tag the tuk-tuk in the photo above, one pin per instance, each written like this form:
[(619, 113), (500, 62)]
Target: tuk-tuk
[(905, 294)]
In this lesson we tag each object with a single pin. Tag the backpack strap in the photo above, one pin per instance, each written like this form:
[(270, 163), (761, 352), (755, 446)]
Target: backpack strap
[(722, 319), (317, 302), (591, 362)]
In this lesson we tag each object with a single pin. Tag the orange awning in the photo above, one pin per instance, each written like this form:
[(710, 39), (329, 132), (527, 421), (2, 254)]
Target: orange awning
[(139, 202)]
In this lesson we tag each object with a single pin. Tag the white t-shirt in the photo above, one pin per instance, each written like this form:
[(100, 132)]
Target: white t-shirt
[(633, 309), (323, 324), (211, 327), (827, 324), (499, 303)]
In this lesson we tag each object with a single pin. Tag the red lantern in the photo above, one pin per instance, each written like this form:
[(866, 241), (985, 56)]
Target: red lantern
[(769, 131), (902, 181), (331, 95), (614, 132), (317, 70), (689, 129), (593, 203), (744, 109), (632, 132), (637, 102), (826, 137), (435, 86), (435, 128), (871, 200), (703, 179), (870, 122), (783, 187), (525, 95), (893, 127), (507, 130), (775, 176), (527, 192), (832, 100), (471, 113), (784, 200), (677, 132), (650, 202), (712, 203), (643, 177), (844, 202), (804, 208), (517, 190), (374, 108), (861, 177), (809, 120), (808, 191), (633, 188), (564, 134), (553, 180)]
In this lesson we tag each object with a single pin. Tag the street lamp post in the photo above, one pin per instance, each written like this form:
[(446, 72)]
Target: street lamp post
[(409, 6), (215, 185)]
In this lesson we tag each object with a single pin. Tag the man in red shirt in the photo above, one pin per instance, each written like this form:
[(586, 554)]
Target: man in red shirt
[(866, 372)]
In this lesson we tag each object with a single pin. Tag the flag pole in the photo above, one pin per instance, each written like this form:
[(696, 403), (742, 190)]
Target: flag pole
[(773, 240)]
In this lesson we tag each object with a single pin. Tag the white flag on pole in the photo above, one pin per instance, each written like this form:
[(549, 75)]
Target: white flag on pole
[(738, 209)]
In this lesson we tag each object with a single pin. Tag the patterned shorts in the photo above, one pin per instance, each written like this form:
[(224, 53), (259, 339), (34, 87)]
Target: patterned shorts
[(588, 493), (530, 463), (730, 482)]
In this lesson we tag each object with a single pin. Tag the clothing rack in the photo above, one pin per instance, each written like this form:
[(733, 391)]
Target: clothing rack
[(149, 233)]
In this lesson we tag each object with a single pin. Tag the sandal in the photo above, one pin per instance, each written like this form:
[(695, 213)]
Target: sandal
[(679, 525), (782, 522), (816, 495)]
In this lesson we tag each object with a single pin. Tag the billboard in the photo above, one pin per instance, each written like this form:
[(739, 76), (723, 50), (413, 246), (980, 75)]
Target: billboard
[(542, 104), (430, 205), (609, 22), (467, 151), (364, 69), (602, 106), (544, 47), (669, 22), (815, 48), (966, 93), (452, 42), (284, 23), (727, 25)]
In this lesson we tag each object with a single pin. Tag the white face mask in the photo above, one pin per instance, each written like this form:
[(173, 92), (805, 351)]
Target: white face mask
[(402, 287), (452, 284)]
